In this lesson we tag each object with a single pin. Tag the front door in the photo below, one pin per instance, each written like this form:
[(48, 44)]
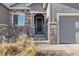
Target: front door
[(39, 26)]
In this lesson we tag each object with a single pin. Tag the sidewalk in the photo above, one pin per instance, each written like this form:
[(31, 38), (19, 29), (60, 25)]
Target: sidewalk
[(72, 49)]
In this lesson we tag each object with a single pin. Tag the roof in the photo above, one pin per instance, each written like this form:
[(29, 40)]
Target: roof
[(8, 4), (72, 5), (24, 5), (19, 5)]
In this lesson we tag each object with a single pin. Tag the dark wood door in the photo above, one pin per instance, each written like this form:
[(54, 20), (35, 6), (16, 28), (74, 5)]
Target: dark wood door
[(39, 26)]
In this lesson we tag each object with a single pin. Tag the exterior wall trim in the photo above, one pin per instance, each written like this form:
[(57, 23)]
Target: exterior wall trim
[(18, 8), (63, 14), (42, 22), (37, 12), (49, 23)]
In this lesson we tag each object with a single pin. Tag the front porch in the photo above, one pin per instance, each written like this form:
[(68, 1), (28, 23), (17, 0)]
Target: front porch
[(38, 27)]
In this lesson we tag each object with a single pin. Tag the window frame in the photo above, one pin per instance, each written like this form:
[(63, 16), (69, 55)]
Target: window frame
[(18, 14)]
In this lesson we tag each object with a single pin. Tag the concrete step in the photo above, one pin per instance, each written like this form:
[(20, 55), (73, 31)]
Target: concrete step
[(40, 38), (39, 35), (46, 42)]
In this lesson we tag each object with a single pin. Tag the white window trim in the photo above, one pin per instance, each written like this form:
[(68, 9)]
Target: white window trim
[(77, 25), (18, 14), (63, 14), (42, 22), (37, 12)]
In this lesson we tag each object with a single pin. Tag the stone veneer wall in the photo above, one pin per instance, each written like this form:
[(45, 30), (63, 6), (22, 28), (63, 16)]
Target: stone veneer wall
[(53, 33), (29, 22), (26, 19), (29, 27), (10, 15)]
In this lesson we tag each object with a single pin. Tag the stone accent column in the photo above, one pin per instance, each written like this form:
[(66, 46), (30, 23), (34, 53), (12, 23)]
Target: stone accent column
[(11, 23), (53, 33), (32, 24), (10, 18), (27, 18)]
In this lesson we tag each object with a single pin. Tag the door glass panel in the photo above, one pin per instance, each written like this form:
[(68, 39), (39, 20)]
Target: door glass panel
[(39, 25)]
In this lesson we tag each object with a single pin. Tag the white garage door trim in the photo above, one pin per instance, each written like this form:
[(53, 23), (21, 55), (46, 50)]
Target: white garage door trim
[(64, 14)]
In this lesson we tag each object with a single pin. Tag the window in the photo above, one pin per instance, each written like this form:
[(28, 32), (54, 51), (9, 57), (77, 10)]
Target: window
[(18, 19), (77, 37), (77, 24)]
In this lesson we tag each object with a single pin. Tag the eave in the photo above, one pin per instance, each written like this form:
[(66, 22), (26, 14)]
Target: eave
[(19, 8)]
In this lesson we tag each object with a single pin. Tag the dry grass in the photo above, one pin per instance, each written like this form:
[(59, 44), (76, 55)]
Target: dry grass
[(1, 50), (11, 49), (22, 47)]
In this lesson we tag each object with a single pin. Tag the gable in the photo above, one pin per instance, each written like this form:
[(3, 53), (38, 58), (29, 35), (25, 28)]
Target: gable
[(4, 6), (61, 8), (4, 14), (37, 7)]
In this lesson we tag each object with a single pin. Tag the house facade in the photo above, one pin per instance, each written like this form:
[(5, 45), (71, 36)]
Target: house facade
[(65, 17), (4, 18), (55, 23), (31, 18)]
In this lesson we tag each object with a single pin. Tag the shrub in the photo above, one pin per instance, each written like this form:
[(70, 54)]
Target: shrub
[(29, 51), (22, 47), (11, 49), (1, 50)]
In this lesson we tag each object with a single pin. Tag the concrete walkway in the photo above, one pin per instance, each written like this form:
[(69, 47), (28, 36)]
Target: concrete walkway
[(73, 49)]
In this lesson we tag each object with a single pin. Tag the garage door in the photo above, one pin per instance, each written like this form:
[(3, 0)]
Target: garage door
[(68, 29)]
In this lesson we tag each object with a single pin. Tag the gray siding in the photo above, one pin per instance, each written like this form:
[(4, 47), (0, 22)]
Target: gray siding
[(61, 8), (4, 15)]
